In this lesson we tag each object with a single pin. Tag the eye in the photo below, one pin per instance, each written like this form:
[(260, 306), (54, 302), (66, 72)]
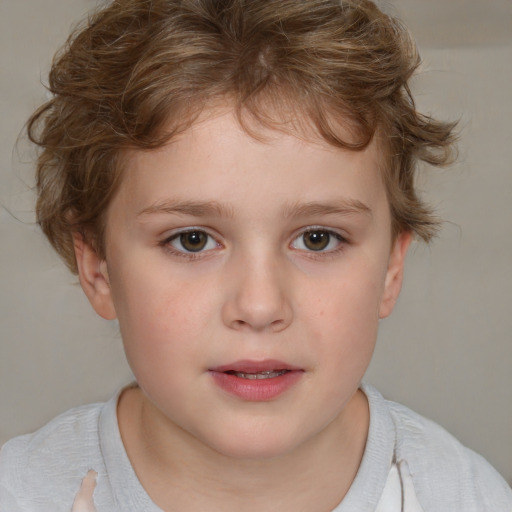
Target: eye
[(192, 241), (317, 240)]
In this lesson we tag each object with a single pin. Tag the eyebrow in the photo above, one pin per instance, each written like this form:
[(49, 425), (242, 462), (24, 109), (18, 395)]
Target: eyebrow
[(339, 207), (193, 208), (217, 209)]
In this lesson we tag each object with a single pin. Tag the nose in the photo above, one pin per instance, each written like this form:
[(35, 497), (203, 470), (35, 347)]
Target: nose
[(258, 296)]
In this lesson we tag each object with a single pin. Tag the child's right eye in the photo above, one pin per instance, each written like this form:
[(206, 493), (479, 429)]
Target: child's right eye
[(193, 241)]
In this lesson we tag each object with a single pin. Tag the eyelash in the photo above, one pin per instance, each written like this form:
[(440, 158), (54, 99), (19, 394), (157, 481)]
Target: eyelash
[(191, 255), (342, 242)]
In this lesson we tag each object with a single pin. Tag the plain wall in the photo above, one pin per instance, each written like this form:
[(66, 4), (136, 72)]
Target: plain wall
[(446, 351)]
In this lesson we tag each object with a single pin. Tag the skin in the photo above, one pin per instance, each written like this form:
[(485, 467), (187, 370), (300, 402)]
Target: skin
[(256, 291)]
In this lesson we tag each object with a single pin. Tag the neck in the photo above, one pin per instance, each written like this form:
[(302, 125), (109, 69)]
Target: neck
[(313, 476)]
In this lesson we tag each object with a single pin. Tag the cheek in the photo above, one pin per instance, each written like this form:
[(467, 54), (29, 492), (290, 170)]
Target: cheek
[(160, 319), (354, 293), (345, 315)]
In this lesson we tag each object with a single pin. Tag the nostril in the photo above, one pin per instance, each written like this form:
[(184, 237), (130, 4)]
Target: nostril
[(275, 325), (258, 304)]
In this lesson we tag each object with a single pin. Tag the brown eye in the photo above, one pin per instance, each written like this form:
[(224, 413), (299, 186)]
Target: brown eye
[(193, 241), (190, 242), (316, 240)]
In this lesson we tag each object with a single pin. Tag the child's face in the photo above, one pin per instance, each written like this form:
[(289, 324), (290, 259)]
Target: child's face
[(225, 254)]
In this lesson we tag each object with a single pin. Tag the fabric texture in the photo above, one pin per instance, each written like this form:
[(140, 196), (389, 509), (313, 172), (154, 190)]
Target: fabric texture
[(77, 463)]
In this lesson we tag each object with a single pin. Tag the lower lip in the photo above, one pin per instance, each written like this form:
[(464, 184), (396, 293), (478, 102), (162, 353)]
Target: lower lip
[(256, 390)]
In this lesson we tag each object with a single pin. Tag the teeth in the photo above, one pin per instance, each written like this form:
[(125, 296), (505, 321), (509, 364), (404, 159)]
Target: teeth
[(260, 375)]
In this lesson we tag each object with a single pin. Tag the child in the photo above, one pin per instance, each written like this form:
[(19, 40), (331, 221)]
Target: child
[(233, 181)]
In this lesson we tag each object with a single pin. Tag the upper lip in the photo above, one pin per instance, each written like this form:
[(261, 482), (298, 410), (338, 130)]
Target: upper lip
[(250, 366)]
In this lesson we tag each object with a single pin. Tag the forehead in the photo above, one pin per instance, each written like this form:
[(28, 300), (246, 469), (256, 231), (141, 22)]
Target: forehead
[(217, 158)]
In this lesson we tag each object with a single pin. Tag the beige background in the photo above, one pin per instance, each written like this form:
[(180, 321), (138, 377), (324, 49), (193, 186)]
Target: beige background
[(447, 350)]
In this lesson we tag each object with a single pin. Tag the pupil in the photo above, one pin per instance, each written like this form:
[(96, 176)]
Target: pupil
[(316, 240), (193, 241)]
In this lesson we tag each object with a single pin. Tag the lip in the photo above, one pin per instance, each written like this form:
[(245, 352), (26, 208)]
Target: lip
[(256, 390), (250, 366)]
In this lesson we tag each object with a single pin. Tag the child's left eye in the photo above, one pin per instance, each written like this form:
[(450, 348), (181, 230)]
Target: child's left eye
[(192, 241), (317, 240)]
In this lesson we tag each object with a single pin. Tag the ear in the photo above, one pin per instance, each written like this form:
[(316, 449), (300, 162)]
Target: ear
[(93, 275), (395, 273)]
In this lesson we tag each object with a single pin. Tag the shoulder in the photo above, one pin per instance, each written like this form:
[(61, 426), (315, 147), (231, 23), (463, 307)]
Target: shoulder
[(46, 467), (446, 475)]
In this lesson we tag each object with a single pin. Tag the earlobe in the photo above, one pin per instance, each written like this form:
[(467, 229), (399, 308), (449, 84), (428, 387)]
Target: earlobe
[(93, 275), (395, 273)]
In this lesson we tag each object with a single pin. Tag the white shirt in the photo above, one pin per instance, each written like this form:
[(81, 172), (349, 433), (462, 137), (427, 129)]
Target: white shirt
[(78, 463)]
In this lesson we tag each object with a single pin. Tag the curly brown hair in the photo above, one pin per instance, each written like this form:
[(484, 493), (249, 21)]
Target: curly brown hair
[(141, 71)]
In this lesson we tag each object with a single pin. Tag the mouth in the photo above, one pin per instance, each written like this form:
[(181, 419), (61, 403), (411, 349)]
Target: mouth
[(270, 374), (256, 381)]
